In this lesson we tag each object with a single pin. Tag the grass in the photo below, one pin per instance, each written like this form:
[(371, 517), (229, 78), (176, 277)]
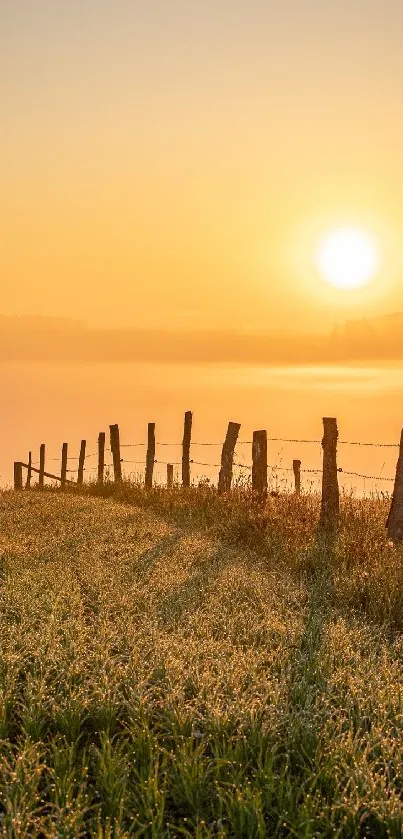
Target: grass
[(175, 664)]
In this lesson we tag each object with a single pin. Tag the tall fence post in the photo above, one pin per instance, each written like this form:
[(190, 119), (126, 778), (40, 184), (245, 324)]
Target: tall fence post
[(394, 522), (101, 456), (81, 462), (330, 487), (227, 457), (170, 475), (296, 465), (187, 436), (29, 472), (18, 476), (150, 455), (115, 449), (63, 473), (41, 479), (259, 464)]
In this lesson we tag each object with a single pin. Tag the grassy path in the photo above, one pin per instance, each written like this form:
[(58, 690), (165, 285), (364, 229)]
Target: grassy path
[(156, 681)]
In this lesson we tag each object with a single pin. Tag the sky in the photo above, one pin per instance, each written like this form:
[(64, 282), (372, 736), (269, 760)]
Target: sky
[(173, 165)]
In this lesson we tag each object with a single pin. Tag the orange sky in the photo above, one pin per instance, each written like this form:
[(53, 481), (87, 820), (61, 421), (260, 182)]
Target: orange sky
[(173, 164)]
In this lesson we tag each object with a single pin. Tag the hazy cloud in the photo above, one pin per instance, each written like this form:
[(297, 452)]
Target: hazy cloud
[(26, 338)]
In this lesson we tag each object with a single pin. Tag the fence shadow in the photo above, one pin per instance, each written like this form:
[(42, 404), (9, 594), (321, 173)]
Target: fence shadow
[(147, 559), (308, 678), (190, 594)]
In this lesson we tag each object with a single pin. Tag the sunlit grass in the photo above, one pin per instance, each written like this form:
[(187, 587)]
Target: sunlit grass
[(178, 664)]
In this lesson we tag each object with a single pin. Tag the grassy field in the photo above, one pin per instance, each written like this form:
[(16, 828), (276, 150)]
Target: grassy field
[(174, 664)]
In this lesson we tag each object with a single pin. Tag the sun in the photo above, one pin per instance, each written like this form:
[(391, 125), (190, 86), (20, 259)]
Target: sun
[(347, 258)]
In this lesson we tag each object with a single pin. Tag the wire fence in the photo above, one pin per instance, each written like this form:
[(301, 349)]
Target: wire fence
[(275, 468)]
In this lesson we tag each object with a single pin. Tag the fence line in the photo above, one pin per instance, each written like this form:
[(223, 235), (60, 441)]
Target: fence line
[(249, 443), (258, 467), (249, 467), (273, 468)]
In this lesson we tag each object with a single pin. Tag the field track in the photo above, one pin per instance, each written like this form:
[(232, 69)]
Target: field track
[(157, 680)]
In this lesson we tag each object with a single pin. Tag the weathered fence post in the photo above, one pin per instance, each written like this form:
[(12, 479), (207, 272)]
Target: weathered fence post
[(29, 472), (41, 479), (81, 462), (259, 464), (101, 456), (18, 476), (170, 475), (187, 436), (227, 458), (150, 455), (330, 488), (115, 449), (63, 473), (296, 465), (395, 518)]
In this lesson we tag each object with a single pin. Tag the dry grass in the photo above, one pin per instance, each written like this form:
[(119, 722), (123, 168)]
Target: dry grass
[(183, 665)]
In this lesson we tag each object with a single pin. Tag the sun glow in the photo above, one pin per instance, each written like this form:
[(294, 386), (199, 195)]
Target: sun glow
[(347, 258)]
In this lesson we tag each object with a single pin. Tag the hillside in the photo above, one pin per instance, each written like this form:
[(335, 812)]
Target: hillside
[(163, 679)]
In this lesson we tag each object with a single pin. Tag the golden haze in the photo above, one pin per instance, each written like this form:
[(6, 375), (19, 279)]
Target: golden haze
[(167, 171), (177, 170)]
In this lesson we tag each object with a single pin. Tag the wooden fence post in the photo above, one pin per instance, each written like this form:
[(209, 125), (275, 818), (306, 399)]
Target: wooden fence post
[(63, 473), (170, 475), (150, 455), (259, 464), (101, 456), (81, 462), (296, 465), (115, 449), (187, 436), (29, 472), (18, 476), (395, 518), (227, 458), (330, 488), (41, 479)]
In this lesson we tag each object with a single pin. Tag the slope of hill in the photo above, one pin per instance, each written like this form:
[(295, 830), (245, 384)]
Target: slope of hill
[(159, 681)]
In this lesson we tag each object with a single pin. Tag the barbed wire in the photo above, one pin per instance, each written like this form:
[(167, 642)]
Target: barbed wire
[(367, 477), (269, 440), (274, 469), (168, 463), (134, 445), (290, 469), (340, 442), (238, 464), (301, 440), (374, 445), (280, 440), (58, 459), (213, 465)]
